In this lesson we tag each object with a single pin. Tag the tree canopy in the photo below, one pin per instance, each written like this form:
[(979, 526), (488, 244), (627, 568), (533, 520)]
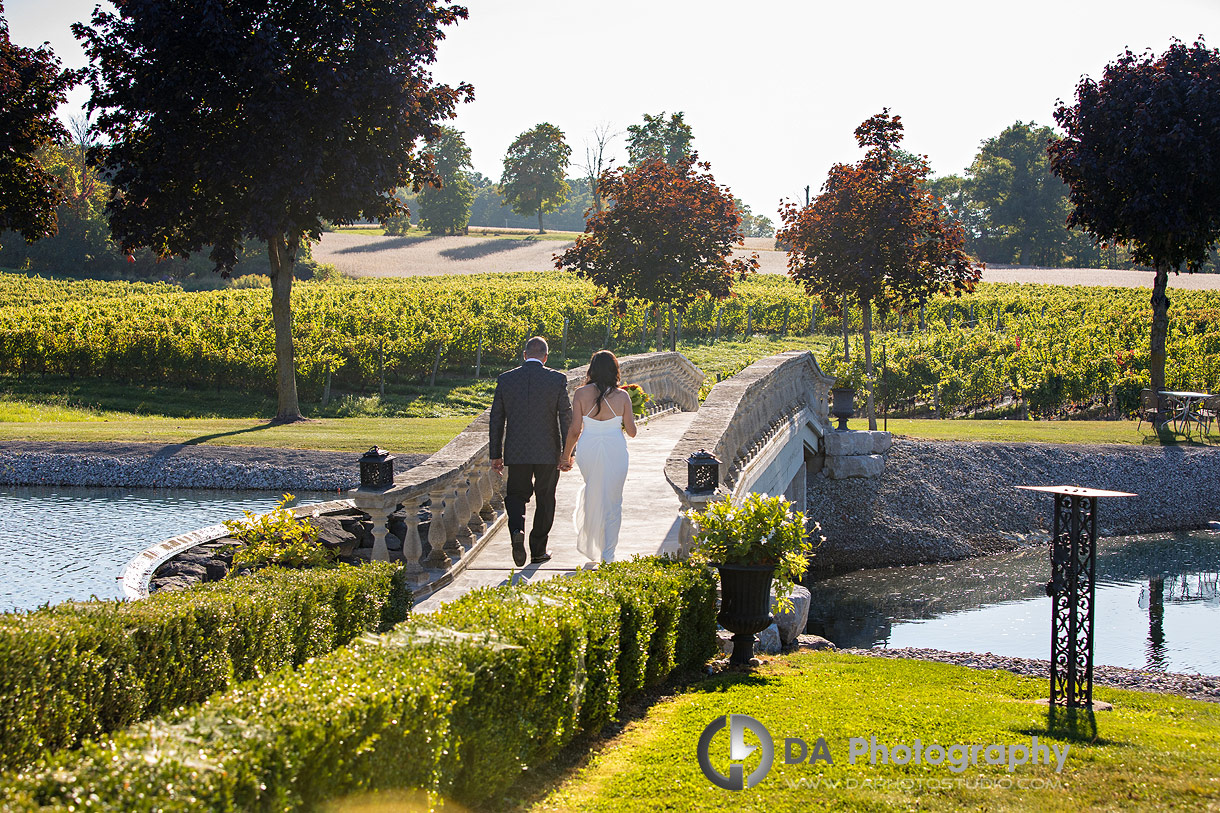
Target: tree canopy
[(445, 209), (227, 119), (667, 239), (876, 233), (534, 167), (32, 86), (659, 140), (1141, 156)]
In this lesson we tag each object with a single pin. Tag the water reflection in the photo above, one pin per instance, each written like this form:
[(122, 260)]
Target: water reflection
[(66, 543), (1157, 604)]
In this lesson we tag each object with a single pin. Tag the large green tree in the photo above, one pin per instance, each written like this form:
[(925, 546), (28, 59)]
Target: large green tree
[(1141, 155), (668, 239), (534, 166), (876, 233), (32, 86), (227, 119), (658, 139), (445, 209), (1026, 205)]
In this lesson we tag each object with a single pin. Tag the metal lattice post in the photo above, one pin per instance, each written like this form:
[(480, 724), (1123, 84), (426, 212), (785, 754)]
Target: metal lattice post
[(1072, 591)]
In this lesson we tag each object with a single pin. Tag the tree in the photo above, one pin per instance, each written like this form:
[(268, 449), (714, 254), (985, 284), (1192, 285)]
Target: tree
[(753, 225), (446, 209), (1141, 156), (596, 162), (534, 167), (666, 240), (1026, 205), (658, 139), (227, 119), (31, 87), (877, 233)]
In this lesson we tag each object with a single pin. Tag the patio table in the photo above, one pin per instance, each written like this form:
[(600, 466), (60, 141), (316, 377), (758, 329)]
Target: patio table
[(1186, 406)]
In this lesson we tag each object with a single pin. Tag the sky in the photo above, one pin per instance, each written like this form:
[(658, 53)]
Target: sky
[(772, 89)]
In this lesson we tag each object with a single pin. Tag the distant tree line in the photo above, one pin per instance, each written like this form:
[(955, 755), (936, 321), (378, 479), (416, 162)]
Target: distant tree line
[(1014, 209)]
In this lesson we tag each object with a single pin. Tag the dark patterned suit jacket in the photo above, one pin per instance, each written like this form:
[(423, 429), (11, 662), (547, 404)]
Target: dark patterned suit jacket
[(530, 415)]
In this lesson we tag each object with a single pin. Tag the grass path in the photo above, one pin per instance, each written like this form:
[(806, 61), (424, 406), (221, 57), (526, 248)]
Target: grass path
[(1151, 752)]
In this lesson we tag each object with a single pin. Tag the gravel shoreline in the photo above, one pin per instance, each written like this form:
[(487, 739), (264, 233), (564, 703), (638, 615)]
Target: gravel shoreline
[(943, 500), (158, 465), (1196, 687)]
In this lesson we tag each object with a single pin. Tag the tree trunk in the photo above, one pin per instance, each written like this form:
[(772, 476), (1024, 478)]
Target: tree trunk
[(540, 230), (283, 255), (846, 349), (1160, 326), (660, 323), (866, 311)]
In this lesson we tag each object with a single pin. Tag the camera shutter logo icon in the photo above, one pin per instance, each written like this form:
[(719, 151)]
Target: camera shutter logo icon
[(738, 751)]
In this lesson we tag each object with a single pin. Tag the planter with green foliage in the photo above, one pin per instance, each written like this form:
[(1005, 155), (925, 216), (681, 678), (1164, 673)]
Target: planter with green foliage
[(752, 543)]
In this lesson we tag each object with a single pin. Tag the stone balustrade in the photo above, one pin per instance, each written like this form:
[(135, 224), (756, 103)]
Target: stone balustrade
[(742, 415), (466, 496)]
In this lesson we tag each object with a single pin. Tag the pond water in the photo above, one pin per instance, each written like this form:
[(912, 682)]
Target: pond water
[(66, 543), (1158, 606)]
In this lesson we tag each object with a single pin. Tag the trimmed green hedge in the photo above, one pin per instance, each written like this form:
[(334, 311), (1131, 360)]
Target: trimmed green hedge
[(457, 704), (78, 670)]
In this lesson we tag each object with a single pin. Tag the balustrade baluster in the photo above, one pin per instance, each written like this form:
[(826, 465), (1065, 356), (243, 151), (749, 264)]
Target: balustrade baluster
[(380, 517), (412, 545), (436, 529)]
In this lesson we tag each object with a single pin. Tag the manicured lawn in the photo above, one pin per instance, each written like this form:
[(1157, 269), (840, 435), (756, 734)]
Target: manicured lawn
[(1036, 431), (399, 435), (1151, 752)]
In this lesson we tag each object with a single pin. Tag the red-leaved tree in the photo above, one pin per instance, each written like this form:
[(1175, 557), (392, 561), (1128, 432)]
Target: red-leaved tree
[(876, 234), (1141, 157), (666, 239)]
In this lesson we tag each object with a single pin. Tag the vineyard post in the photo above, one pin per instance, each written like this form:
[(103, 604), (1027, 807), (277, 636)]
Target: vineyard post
[(564, 351), (923, 325), (936, 398), (846, 346), (813, 318), (326, 385), (784, 331), (478, 358), (677, 332), (749, 322), (440, 347), (1114, 400), (381, 368), (644, 333), (949, 316), (609, 328), (719, 313), (972, 322), (999, 320), (899, 328), (669, 315)]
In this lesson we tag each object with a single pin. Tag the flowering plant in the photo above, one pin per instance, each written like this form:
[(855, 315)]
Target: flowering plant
[(759, 530), (639, 398), (278, 537)]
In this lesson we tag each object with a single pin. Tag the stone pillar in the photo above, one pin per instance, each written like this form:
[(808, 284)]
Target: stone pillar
[(412, 547), (379, 515), (436, 530)]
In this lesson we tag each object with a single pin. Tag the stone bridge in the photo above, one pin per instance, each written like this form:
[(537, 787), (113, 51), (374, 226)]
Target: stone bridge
[(769, 425)]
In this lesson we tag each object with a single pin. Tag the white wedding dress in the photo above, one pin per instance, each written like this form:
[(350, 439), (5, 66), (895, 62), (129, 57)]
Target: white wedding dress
[(601, 456)]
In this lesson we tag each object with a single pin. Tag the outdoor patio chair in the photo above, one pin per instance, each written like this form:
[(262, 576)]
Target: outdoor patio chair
[(1149, 404), (1209, 412)]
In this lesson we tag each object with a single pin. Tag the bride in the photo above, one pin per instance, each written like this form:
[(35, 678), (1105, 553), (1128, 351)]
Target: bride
[(601, 415)]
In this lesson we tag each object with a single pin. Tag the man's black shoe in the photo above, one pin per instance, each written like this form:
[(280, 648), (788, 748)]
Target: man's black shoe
[(518, 548), (538, 560)]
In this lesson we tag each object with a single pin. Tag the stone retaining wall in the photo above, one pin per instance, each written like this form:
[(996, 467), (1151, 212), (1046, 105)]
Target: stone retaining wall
[(941, 500)]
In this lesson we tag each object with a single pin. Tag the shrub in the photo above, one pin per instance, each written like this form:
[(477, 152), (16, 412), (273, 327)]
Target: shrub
[(76, 671), (457, 704), (278, 537)]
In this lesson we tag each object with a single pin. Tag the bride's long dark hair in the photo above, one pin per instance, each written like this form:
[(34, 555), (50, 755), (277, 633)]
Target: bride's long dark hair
[(603, 373)]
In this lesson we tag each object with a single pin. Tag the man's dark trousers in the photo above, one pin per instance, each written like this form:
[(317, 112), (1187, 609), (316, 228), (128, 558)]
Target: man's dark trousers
[(540, 480)]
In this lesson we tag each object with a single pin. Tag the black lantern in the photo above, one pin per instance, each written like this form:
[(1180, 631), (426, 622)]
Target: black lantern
[(843, 406), (376, 468), (702, 472)]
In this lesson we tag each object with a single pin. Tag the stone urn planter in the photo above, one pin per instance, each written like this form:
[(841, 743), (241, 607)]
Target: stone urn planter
[(843, 404), (745, 605), (753, 540)]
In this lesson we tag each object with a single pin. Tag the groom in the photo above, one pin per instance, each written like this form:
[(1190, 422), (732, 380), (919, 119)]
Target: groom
[(532, 401)]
